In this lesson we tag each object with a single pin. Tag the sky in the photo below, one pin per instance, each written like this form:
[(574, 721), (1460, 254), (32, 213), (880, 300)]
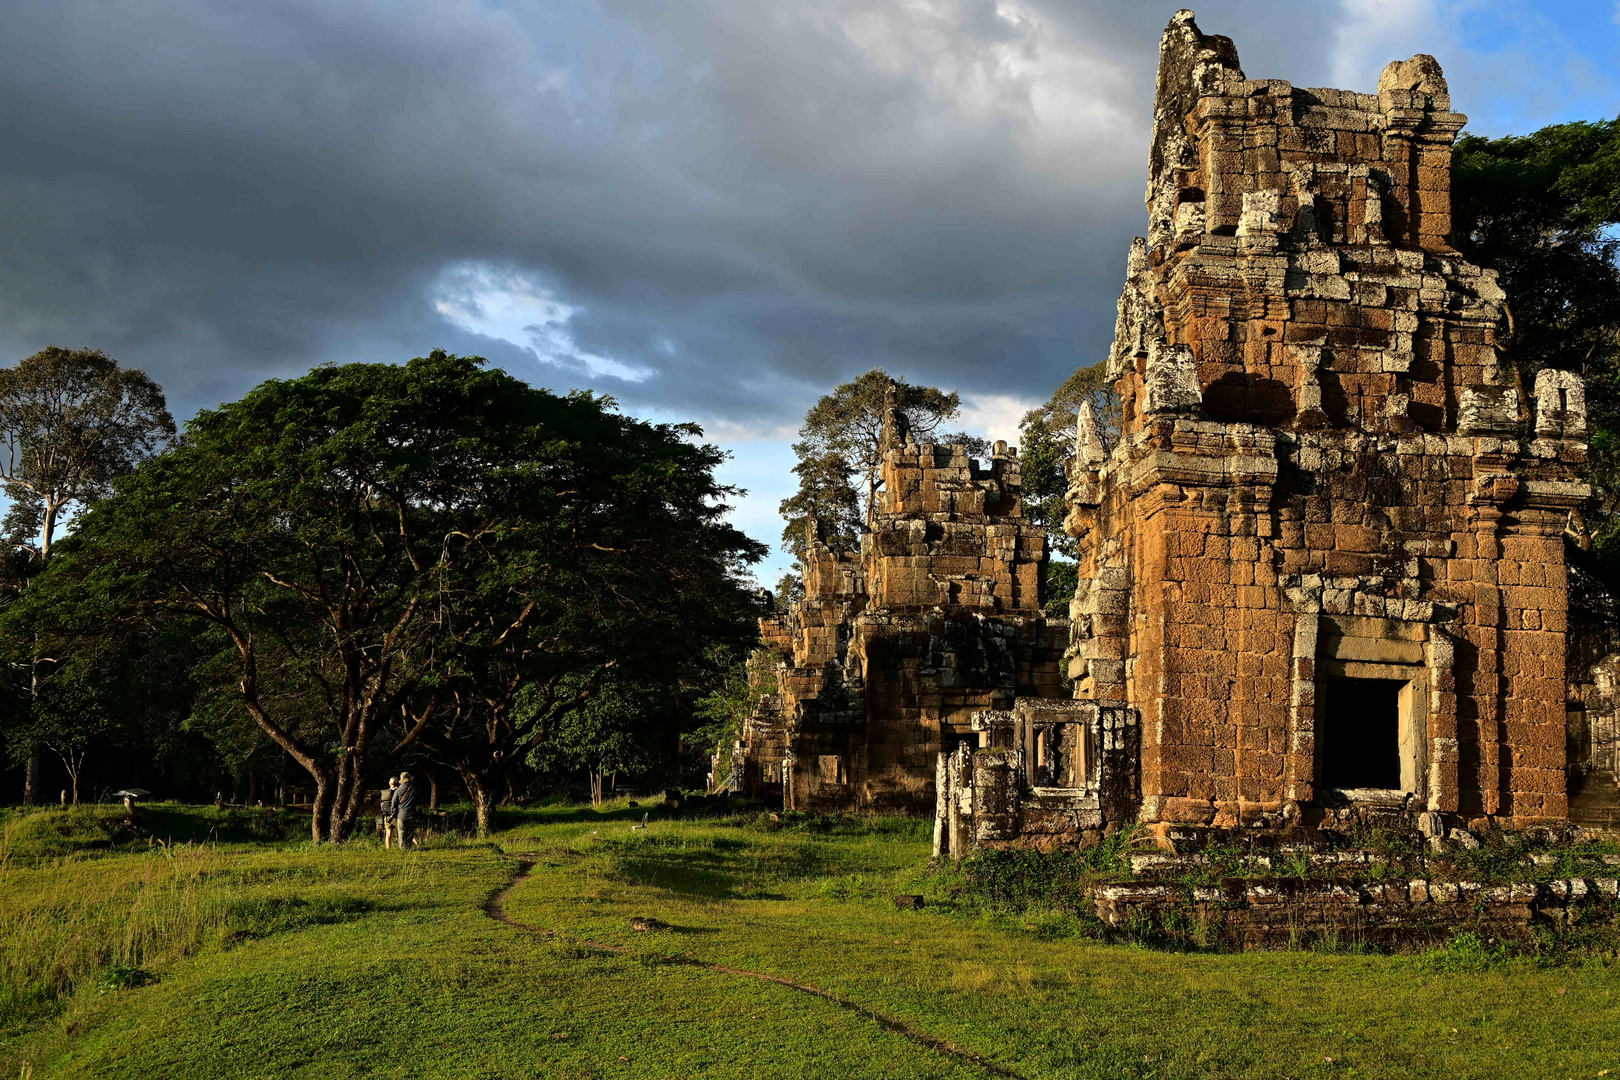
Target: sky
[(712, 210)]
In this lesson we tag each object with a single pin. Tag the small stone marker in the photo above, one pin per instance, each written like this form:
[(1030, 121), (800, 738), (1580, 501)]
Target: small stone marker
[(909, 902), (643, 923)]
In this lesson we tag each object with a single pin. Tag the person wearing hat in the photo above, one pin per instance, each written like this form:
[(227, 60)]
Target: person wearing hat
[(404, 801)]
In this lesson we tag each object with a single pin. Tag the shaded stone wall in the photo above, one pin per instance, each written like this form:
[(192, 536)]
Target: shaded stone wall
[(1329, 480), (893, 648)]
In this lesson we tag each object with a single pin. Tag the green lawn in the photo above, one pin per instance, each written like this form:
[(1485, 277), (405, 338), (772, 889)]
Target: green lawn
[(275, 959)]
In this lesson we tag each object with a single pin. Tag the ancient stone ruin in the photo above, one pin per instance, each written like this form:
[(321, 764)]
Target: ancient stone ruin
[(894, 648), (1322, 573)]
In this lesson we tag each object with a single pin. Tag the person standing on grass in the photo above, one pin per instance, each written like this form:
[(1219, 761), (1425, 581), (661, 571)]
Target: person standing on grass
[(403, 803), (385, 821)]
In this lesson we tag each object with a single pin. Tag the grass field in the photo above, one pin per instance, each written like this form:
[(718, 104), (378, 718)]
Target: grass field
[(253, 956)]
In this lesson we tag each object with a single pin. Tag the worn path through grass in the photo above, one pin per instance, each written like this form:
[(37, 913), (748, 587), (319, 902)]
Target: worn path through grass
[(410, 976)]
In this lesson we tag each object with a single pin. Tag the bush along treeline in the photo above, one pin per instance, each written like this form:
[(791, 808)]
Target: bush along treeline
[(430, 564)]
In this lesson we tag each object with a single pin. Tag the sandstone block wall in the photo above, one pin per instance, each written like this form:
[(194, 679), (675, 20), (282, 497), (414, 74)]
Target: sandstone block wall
[(894, 648), (1330, 482)]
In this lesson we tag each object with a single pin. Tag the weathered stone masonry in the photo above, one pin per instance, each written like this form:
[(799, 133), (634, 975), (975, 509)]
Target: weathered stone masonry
[(894, 648), (1323, 571)]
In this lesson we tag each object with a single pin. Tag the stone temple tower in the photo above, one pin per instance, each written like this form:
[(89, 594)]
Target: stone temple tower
[(1322, 573)]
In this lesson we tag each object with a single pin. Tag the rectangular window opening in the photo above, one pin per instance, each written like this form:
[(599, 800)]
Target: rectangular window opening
[(1359, 744), (1063, 755), (831, 769)]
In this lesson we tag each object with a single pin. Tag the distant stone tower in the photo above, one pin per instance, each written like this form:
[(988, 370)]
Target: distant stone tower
[(894, 648), (1322, 575)]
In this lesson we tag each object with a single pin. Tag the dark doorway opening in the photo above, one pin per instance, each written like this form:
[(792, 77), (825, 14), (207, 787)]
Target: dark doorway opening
[(1359, 744), (949, 740)]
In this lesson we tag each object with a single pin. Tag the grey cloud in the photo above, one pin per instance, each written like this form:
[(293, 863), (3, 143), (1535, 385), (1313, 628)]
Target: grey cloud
[(753, 199)]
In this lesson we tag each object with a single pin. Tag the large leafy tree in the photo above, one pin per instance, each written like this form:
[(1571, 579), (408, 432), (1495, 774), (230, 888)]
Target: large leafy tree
[(1541, 209), (371, 541), (840, 456), (71, 422)]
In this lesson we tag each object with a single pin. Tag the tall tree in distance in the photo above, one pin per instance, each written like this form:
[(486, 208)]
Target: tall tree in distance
[(826, 506), (840, 456), (1048, 433), (604, 736), (71, 422)]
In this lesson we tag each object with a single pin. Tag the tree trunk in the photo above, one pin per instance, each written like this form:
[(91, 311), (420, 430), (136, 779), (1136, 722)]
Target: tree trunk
[(320, 810), (433, 790), (480, 796), (31, 776), (345, 799), (47, 528)]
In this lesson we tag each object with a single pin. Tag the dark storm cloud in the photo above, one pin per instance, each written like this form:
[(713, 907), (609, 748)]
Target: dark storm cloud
[(732, 203)]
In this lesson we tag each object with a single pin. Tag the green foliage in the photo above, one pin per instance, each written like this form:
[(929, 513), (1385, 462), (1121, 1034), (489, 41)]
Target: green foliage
[(1541, 210), (789, 591), (408, 544), (826, 505), (1062, 579), (71, 422), (1536, 208), (1055, 880), (840, 442), (1048, 434), (725, 708), (608, 734)]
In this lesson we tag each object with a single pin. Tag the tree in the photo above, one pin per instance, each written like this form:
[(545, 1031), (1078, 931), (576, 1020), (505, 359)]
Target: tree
[(642, 579), (826, 506), (840, 441), (71, 422), (371, 541), (789, 591), (1048, 444), (119, 691), (726, 707), (73, 712), (605, 736), (1540, 209)]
